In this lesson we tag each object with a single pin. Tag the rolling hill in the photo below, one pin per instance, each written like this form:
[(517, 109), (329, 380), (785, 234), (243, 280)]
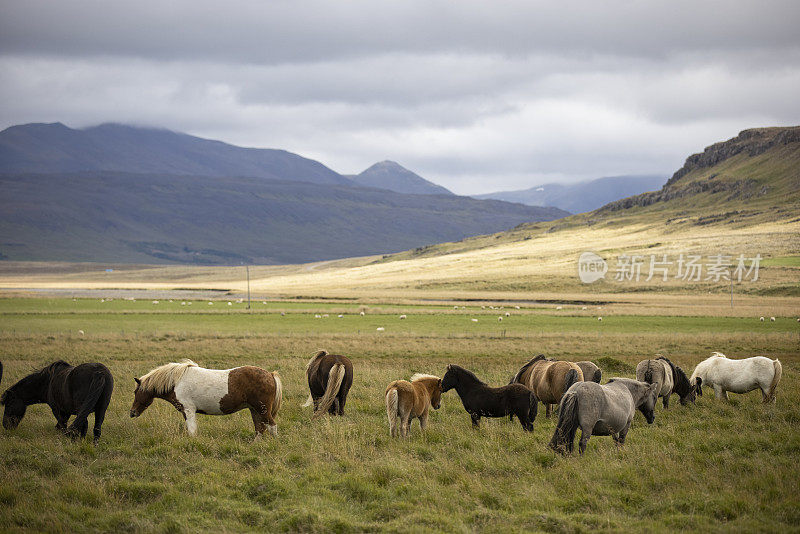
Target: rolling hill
[(583, 196), (162, 218), (55, 148), (392, 176)]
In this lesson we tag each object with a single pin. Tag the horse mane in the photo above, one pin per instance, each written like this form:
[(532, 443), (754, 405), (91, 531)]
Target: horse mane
[(36, 374), (164, 378), (420, 376), (314, 357), (465, 372), (718, 355), (526, 366)]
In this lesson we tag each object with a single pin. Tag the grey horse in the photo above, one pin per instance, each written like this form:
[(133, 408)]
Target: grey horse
[(670, 378), (601, 410), (591, 373)]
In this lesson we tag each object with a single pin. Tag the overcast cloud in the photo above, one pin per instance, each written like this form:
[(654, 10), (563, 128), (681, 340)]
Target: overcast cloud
[(476, 96)]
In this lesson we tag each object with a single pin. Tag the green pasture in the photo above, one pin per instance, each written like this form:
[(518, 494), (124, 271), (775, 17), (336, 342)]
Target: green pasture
[(710, 467)]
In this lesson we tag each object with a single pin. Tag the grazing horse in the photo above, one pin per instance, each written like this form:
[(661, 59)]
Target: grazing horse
[(549, 379), (330, 377), (671, 378), (193, 389), (602, 410), (591, 373), (738, 376), (68, 391), (407, 400), (480, 400)]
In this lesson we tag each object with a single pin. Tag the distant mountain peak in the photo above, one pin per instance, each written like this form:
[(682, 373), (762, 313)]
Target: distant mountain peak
[(392, 176)]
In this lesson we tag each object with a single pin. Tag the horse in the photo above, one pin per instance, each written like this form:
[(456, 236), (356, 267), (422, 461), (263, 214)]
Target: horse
[(591, 373), (481, 400), (671, 378), (68, 390), (549, 379), (602, 410), (192, 390), (407, 400), (738, 376), (330, 377)]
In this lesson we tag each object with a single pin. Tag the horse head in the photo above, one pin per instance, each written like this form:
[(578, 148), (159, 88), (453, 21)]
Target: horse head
[(436, 396), (648, 404), (141, 399), (450, 379)]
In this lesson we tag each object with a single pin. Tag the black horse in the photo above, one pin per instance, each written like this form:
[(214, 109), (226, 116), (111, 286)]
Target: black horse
[(481, 400), (68, 391)]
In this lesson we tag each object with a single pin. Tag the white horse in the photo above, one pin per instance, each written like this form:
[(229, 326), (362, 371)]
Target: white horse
[(738, 376)]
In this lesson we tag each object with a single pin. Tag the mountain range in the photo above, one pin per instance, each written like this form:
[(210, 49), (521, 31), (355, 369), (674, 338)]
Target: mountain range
[(582, 196), (141, 195)]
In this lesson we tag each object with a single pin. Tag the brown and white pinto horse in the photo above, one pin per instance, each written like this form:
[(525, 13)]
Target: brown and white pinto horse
[(548, 379), (407, 400), (193, 389), (330, 377)]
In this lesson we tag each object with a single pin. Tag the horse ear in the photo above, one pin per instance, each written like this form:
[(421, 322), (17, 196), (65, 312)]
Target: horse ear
[(138, 382), (449, 366)]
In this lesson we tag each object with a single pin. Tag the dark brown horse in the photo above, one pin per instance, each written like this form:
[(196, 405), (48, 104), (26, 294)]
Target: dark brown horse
[(549, 379), (68, 390), (330, 377)]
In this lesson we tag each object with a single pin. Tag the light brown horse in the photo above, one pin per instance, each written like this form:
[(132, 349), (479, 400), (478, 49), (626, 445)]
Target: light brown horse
[(548, 379), (408, 400)]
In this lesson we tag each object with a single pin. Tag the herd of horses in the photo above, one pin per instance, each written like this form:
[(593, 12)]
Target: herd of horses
[(583, 402)]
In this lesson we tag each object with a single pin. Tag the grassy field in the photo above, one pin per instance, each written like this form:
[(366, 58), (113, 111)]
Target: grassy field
[(707, 467)]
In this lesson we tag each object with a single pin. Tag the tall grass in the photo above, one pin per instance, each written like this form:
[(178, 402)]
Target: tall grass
[(707, 467)]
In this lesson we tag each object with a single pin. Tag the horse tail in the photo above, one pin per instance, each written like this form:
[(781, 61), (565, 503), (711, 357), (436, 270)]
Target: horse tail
[(567, 426), (96, 388), (309, 401), (335, 378), (1, 371), (534, 407), (570, 378), (776, 377), (276, 403), (392, 408), (598, 374), (648, 374)]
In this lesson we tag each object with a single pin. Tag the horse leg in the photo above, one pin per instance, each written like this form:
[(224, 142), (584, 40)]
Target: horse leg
[(665, 400), (334, 409), (340, 402), (258, 422), (547, 409), (423, 420), (476, 420), (61, 419), (99, 417), (586, 433), (191, 420), (720, 393)]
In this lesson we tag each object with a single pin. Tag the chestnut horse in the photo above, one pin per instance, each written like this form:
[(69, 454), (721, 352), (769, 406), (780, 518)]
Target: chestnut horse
[(330, 377), (548, 379), (408, 400), (193, 389)]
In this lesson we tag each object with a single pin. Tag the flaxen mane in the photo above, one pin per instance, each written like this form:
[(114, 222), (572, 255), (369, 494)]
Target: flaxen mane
[(526, 366), (420, 376), (162, 379), (314, 357)]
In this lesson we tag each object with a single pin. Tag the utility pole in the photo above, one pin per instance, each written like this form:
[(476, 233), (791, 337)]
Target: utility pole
[(247, 267)]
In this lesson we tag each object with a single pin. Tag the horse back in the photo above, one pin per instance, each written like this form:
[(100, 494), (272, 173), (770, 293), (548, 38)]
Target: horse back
[(248, 386), (69, 387), (548, 378)]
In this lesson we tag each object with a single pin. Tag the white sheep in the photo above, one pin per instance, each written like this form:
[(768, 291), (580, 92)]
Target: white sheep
[(80, 332), (403, 316), (363, 314), (516, 307), (340, 316), (230, 303), (559, 307), (474, 320), (761, 319), (317, 316), (210, 303), (500, 319), (455, 307), (772, 319), (600, 319), (508, 314), (325, 315), (380, 329), (583, 308), (155, 302), (283, 313)]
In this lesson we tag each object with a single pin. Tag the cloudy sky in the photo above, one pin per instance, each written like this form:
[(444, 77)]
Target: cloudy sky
[(477, 96)]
